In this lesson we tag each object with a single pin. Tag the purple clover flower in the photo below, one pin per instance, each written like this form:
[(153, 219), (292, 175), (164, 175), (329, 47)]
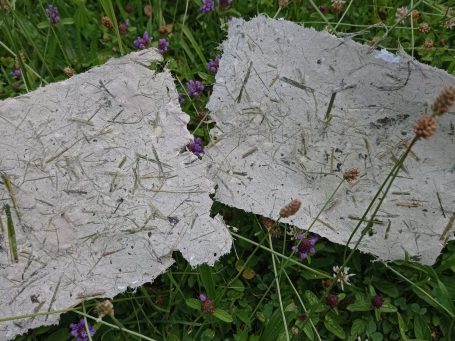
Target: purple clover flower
[(214, 64), (182, 99), (79, 332), (196, 148), (224, 4), (305, 246), (52, 14), (16, 73), (163, 45), (195, 88), (123, 27), (332, 301), (207, 6), (207, 305), (377, 301), (142, 42)]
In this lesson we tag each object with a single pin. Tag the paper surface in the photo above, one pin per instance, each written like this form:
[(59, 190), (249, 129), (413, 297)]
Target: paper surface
[(102, 190), (276, 139)]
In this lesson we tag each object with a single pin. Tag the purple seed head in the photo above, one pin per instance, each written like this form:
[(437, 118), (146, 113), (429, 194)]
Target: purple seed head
[(305, 246), (225, 3), (163, 45), (207, 6), (16, 73), (79, 331), (214, 64), (196, 147), (195, 88), (377, 301), (332, 301), (52, 14), (142, 42)]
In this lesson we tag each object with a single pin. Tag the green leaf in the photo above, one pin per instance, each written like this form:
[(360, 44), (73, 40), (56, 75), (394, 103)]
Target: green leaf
[(388, 308), (376, 336), (43, 24), (207, 281), (358, 327), (308, 330), (186, 31), (67, 21), (333, 327), (387, 288), (359, 306), (193, 303), (402, 327), (421, 329)]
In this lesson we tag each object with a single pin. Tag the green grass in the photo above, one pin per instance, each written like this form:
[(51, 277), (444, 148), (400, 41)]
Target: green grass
[(261, 291)]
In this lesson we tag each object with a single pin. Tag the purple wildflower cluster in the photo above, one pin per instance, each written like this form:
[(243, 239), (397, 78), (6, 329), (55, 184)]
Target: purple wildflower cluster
[(207, 6), (142, 42), (16, 73), (79, 332), (196, 147), (163, 45), (52, 14), (195, 88), (214, 64), (305, 246)]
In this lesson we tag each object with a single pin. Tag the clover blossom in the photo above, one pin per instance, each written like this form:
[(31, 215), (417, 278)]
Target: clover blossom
[(79, 331), (52, 14), (142, 42), (207, 305), (343, 276), (207, 6), (163, 45), (123, 27), (196, 147), (225, 3), (195, 88), (214, 64), (305, 246), (16, 73)]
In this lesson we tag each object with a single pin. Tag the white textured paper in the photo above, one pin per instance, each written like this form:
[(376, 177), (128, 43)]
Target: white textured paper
[(273, 141), (105, 190)]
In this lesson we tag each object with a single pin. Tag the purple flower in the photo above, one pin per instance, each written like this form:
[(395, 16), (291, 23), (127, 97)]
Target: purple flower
[(142, 42), (202, 297), (123, 27), (16, 73), (196, 148), (377, 301), (332, 300), (181, 99), (214, 64), (207, 305), (225, 3), (195, 88), (305, 246), (79, 331), (207, 6), (163, 45), (52, 14)]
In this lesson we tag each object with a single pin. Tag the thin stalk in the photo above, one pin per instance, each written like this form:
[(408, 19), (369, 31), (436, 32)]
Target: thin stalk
[(303, 305), (277, 281)]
